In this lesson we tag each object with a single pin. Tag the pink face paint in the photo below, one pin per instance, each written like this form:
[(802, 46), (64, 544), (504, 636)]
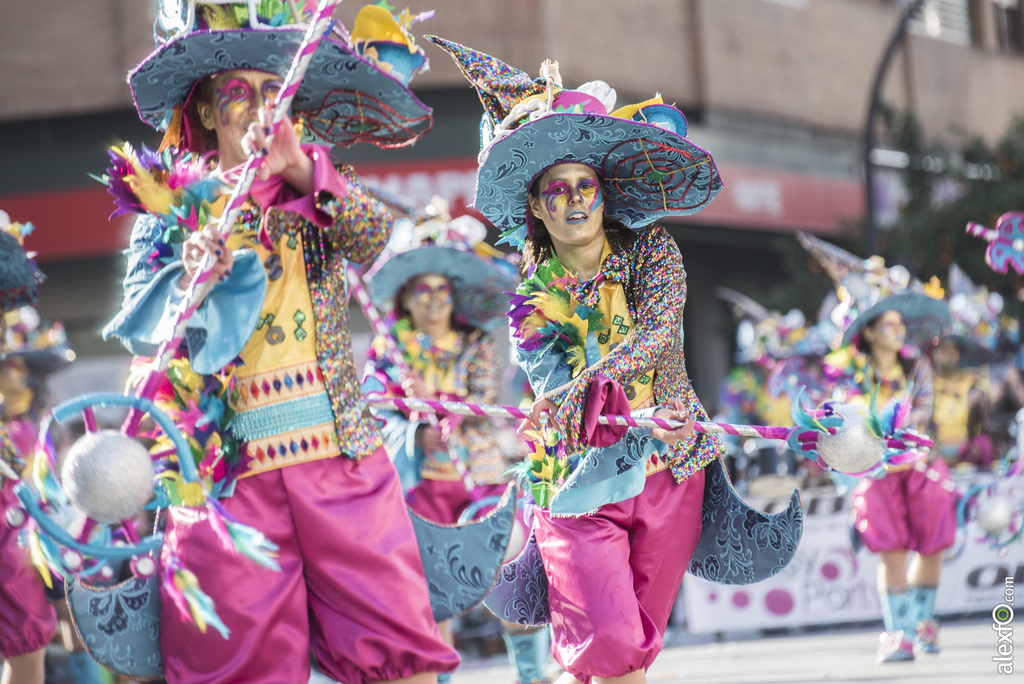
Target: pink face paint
[(235, 96), (558, 194), (555, 195), (424, 291)]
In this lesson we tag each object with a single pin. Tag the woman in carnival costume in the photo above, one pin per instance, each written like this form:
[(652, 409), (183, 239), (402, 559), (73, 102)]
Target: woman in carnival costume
[(444, 287), (265, 386), (27, 621), (619, 513), (911, 508)]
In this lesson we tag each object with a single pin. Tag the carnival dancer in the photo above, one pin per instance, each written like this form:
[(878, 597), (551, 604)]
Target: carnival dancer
[(302, 453), (443, 288), (909, 511), (27, 621), (600, 309)]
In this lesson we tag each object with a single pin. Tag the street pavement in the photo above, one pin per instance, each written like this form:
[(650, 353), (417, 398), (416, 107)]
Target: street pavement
[(834, 655)]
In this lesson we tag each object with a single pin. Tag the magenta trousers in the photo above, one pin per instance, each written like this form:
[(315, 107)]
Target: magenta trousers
[(351, 584), (27, 621), (912, 510), (613, 575)]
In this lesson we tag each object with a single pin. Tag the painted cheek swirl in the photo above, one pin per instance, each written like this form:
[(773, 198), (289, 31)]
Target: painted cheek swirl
[(555, 195), (235, 96), (591, 194)]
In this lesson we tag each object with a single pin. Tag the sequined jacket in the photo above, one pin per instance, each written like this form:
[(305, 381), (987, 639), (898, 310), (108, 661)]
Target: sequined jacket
[(476, 377), (339, 223), (652, 274)]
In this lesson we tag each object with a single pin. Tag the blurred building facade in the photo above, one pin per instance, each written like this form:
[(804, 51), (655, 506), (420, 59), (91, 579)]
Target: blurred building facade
[(776, 90)]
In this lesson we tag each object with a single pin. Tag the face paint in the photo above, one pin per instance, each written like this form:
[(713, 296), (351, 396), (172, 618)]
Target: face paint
[(441, 293), (570, 204), (233, 98), (558, 194)]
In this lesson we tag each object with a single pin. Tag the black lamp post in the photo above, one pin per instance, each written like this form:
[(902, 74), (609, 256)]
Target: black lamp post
[(871, 228)]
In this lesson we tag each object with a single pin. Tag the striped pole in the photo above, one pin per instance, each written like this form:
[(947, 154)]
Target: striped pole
[(355, 286), (984, 232), (197, 290), (497, 411)]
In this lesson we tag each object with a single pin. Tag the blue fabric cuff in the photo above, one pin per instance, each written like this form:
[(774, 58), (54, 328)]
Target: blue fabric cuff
[(219, 328)]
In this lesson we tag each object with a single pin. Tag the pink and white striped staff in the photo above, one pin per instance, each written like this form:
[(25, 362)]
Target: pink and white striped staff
[(197, 290), (984, 232), (498, 411), (355, 286)]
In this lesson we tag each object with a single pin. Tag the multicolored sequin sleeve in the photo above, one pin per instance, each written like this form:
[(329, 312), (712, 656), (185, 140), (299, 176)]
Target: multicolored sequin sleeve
[(360, 225), (479, 435), (922, 400), (8, 452), (657, 269)]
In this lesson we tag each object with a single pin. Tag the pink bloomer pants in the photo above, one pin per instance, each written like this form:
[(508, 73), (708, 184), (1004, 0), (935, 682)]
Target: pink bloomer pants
[(613, 575), (911, 509), (27, 621), (351, 584)]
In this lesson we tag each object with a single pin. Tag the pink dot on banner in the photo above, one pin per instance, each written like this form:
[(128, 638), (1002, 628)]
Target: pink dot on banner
[(829, 571), (740, 599), (778, 601), (712, 597)]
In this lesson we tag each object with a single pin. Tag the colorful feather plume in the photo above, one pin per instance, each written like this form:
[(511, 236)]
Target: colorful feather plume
[(180, 190), (240, 538), (192, 603), (543, 471), (544, 314)]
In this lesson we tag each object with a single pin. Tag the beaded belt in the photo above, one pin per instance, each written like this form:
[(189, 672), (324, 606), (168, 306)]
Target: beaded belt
[(285, 417)]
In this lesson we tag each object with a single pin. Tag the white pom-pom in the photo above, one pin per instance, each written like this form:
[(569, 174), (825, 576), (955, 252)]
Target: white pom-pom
[(108, 476), (994, 514), (854, 448)]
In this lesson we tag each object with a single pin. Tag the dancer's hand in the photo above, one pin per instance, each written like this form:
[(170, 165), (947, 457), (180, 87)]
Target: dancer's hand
[(678, 411), (201, 242), (284, 156), (541, 407), (413, 386), (430, 440)]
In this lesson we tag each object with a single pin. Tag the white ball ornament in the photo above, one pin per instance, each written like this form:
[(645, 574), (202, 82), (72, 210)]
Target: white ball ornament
[(854, 448), (108, 476), (993, 514)]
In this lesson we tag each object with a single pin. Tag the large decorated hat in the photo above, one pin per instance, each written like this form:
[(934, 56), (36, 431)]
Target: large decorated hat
[(866, 289), (649, 168), (18, 275), (454, 248), (343, 99), (42, 345), (764, 335)]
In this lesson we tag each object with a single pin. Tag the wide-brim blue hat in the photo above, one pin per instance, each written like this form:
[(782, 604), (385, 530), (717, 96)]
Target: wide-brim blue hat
[(343, 98), (649, 168), (927, 319), (480, 282), (647, 172), (478, 287)]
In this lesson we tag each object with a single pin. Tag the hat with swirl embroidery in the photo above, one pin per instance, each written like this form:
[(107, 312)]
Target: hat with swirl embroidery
[(354, 90), (867, 288), (454, 248), (648, 166)]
